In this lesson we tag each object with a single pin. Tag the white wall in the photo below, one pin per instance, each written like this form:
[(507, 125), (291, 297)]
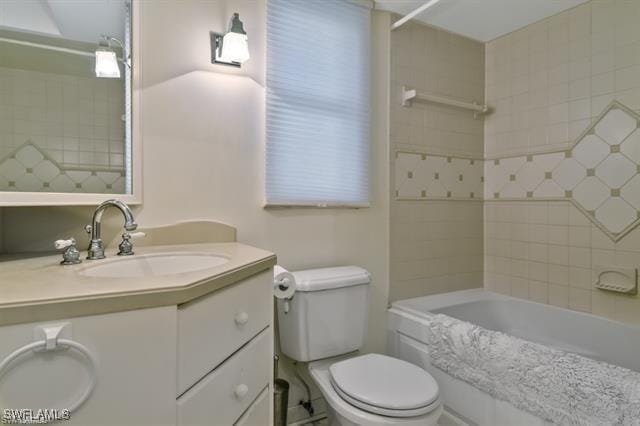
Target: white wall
[(203, 134)]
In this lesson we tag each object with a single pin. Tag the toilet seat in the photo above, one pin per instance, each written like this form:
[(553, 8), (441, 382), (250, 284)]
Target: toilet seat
[(386, 386)]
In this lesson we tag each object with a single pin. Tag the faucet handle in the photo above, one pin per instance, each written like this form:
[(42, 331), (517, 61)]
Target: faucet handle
[(62, 244), (126, 246), (70, 255)]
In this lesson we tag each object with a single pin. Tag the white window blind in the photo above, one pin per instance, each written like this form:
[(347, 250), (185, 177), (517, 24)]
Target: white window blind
[(318, 105)]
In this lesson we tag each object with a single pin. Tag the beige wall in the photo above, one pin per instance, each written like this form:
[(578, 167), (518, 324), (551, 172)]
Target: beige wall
[(548, 82), (436, 245)]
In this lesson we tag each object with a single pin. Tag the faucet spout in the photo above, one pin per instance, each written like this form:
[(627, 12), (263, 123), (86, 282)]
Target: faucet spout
[(96, 248)]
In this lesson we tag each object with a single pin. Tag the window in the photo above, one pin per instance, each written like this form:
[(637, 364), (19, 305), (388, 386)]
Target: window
[(318, 104)]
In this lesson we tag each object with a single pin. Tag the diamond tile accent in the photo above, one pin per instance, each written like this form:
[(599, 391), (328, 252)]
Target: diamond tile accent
[(591, 193), (616, 214), (29, 169), (512, 165), (513, 190), (549, 189), (29, 183), (530, 176), (600, 174), (420, 176), (615, 170), (615, 126), (46, 171), (569, 173), (631, 192), (62, 183), (29, 156), (631, 147), (549, 162), (591, 151), (11, 169)]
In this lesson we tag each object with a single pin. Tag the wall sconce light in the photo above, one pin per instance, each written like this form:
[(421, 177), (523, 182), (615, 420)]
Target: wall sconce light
[(230, 48), (106, 59)]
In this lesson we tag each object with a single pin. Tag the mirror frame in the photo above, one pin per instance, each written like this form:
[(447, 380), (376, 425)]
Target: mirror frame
[(8, 198)]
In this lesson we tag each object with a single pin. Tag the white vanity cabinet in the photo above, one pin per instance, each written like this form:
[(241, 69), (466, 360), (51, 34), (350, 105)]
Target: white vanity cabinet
[(205, 362), (134, 377), (225, 352)]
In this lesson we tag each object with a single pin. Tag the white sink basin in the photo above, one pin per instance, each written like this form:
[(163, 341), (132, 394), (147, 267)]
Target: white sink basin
[(153, 265)]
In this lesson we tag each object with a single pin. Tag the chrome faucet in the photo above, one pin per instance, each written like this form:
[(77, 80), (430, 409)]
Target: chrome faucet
[(96, 247)]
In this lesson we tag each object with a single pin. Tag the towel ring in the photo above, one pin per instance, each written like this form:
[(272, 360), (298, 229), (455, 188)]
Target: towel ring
[(41, 344)]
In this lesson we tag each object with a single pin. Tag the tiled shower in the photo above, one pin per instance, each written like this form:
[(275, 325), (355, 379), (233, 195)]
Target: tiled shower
[(547, 183)]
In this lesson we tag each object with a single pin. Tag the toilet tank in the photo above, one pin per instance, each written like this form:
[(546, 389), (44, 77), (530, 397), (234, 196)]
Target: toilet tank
[(328, 313)]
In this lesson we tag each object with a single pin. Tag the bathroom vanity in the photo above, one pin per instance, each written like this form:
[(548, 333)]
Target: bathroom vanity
[(177, 334)]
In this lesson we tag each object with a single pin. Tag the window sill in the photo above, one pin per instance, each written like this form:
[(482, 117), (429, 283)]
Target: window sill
[(302, 205)]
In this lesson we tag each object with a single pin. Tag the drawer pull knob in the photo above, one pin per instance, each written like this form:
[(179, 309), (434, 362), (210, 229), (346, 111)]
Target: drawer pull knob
[(242, 318), (241, 391)]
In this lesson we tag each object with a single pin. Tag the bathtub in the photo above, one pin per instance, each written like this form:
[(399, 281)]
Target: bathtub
[(571, 331)]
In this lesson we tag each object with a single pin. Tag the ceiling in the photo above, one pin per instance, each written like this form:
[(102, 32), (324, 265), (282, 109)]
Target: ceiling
[(70, 19), (482, 20)]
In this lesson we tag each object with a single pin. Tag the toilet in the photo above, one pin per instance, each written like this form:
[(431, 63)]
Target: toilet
[(325, 325)]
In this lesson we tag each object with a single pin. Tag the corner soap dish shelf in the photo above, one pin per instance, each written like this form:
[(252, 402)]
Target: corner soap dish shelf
[(619, 280)]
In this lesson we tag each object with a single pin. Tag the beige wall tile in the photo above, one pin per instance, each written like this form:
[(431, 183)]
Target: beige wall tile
[(559, 295), (538, 291), (559, 255), (580, 299), (438, 246), (578, 62)]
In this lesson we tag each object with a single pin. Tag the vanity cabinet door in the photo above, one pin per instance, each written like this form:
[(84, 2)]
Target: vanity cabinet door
[(214, 326), (135, 369), (220, 398)]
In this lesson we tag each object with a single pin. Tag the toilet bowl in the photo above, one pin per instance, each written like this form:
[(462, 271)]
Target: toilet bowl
[(376, 390), (324, 324)]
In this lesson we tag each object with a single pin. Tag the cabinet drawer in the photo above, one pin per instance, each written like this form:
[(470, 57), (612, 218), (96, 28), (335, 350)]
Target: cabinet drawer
[(213, 327), (259, 413), (224, 394)]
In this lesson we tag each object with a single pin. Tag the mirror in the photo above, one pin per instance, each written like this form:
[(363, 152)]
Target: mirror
[(65, 101)]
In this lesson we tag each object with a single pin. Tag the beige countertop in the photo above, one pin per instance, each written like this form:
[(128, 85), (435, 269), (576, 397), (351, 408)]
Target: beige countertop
[(40, 289)]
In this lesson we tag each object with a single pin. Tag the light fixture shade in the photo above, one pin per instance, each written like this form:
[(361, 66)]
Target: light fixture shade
[(235, 48), (107, 64)]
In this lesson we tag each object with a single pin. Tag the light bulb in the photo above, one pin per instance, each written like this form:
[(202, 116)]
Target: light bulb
[(107, 64), (234, 48)]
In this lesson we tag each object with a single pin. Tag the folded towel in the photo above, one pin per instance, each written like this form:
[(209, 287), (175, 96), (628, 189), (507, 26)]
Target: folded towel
[(559, 387)]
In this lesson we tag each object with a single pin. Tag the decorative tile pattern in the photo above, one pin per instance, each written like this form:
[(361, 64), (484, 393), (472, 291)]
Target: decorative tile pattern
[(599, 174), (77, 121), (427, 176), (27, 169)]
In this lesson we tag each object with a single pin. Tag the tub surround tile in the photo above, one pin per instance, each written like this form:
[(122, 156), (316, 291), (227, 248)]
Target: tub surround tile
[(571, 87), (28, 168), (555, 158), (420, 176), (580, 299), (437, 173), (538, 291), (595, 174)]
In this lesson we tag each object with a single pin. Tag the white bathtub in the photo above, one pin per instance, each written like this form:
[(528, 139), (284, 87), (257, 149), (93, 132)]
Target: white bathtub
[(576, 332)]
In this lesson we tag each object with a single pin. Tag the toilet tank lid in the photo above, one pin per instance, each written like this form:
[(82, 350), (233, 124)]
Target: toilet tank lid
[(330, 278)]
